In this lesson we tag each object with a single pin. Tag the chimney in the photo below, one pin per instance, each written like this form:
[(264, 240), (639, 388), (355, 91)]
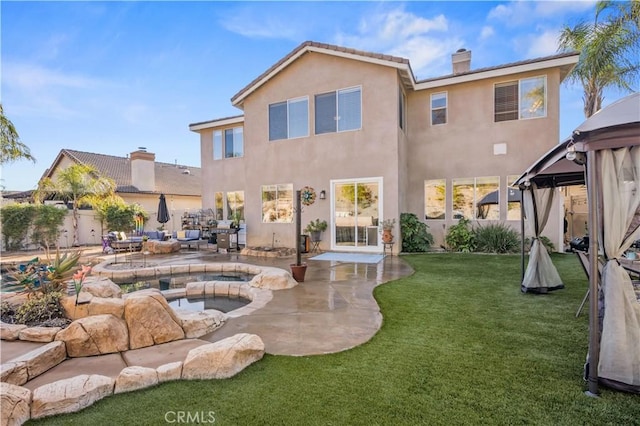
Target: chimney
[(461, 61), (143, 171)]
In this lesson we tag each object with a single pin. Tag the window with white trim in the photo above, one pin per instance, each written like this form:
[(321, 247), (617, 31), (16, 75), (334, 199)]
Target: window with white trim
[(476, 198), (438, 108), (289, 119), (234, 142), (338, 111), (217, 145), (514, 197), (520, 99), (435, 194), (277, 203), (219, 207), (235, 204), (402, 109)]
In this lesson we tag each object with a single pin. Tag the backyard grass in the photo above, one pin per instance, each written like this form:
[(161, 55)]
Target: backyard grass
[(459, 345)]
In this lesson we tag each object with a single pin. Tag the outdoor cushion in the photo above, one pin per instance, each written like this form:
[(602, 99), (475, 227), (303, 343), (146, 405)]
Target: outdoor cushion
[(192, 234), (181, 235), (154, 235)]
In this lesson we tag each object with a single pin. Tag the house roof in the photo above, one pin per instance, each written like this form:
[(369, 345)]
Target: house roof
[(169, 178), (402, 64), (564, 60)]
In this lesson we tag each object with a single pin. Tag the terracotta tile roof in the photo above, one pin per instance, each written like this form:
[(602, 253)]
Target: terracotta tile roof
[(170, 178)]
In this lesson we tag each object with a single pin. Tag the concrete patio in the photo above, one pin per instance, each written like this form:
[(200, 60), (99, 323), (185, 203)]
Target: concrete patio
[(333, 310)]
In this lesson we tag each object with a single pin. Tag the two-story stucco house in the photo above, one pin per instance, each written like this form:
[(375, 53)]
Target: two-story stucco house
[(374, 142)]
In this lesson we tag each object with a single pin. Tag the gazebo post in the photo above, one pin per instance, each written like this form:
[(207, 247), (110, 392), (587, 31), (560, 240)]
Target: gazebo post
[(594, 322), (521, 236)]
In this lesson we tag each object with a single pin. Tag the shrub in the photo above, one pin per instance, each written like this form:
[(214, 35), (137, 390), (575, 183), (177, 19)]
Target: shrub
[(415, 237), (7, 312), (460, 237), (16, 221), (41, 310), (546, 242), (496, 238)]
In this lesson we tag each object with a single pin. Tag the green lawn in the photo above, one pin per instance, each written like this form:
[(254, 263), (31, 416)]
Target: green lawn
[(459, 345)]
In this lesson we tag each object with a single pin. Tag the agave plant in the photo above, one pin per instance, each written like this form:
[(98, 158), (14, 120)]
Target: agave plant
[(43, 278)]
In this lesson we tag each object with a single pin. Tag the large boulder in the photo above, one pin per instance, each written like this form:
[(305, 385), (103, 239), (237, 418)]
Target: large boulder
[(39, 334), (196, 324), (42, 359), (10, 331), (70, 395), (95, 306), (170, 371), (134, 378), (101, 287), (95, 335), (162, 247), (15, 404), (223, 359), (151, 320), (15, 373), (273, 279)]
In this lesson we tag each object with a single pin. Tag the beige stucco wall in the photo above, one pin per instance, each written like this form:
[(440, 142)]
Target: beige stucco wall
[(464, 147), (313, 160)]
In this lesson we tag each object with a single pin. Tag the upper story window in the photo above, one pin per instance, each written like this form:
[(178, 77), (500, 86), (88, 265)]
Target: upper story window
[(520, 99), (234, 142), (439, 108), (402, 109), (338, 111), (233, 145), (289, 119)]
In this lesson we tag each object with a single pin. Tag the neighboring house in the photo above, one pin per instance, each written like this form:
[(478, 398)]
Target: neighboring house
[(139, 179), (359, 127)]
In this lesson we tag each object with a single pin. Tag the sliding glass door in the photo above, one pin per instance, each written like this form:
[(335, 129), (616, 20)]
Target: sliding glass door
[(356, 206)]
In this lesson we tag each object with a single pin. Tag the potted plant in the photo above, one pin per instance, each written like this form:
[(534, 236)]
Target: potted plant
[(387, 230), (315, 229)]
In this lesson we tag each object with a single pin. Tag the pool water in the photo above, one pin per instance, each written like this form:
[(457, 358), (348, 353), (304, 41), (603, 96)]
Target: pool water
[(220, 303)]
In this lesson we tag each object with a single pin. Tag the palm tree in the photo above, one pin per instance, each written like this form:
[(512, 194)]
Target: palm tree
[(12, 148), (79, 184), (609, 51)]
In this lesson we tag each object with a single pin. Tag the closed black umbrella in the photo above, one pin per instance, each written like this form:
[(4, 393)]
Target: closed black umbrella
[(163, 211)]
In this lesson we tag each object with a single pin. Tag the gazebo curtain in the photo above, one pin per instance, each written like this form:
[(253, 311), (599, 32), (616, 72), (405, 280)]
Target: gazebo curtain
[(620, 337), (541, 275)]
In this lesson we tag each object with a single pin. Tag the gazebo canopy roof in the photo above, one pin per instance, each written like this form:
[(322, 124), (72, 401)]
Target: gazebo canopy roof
[(615, 126)]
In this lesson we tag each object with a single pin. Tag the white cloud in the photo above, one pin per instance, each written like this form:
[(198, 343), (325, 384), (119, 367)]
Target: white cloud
[(543, 44), (486, 32), (399, 33), (34, 77)]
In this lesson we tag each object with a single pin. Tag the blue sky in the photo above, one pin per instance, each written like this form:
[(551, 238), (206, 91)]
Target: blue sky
[(108, 77)]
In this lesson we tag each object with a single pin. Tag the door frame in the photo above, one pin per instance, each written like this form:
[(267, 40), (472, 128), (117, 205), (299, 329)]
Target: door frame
[(367, 249)]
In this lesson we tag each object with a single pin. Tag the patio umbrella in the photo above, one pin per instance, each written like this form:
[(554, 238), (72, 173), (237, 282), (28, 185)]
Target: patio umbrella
[(163, 211)]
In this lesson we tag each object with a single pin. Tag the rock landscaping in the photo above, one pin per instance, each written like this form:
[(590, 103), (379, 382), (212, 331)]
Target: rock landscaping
[(105, 321)]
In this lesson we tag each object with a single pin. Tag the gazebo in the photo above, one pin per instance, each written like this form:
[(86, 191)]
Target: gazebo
[(603, 153)]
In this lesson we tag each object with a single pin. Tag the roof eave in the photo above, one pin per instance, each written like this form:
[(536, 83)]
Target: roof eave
[(404, 68), (196, 127), (565, 64)]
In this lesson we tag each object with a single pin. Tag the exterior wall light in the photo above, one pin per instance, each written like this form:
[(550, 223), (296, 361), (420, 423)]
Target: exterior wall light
[(323, 194)]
